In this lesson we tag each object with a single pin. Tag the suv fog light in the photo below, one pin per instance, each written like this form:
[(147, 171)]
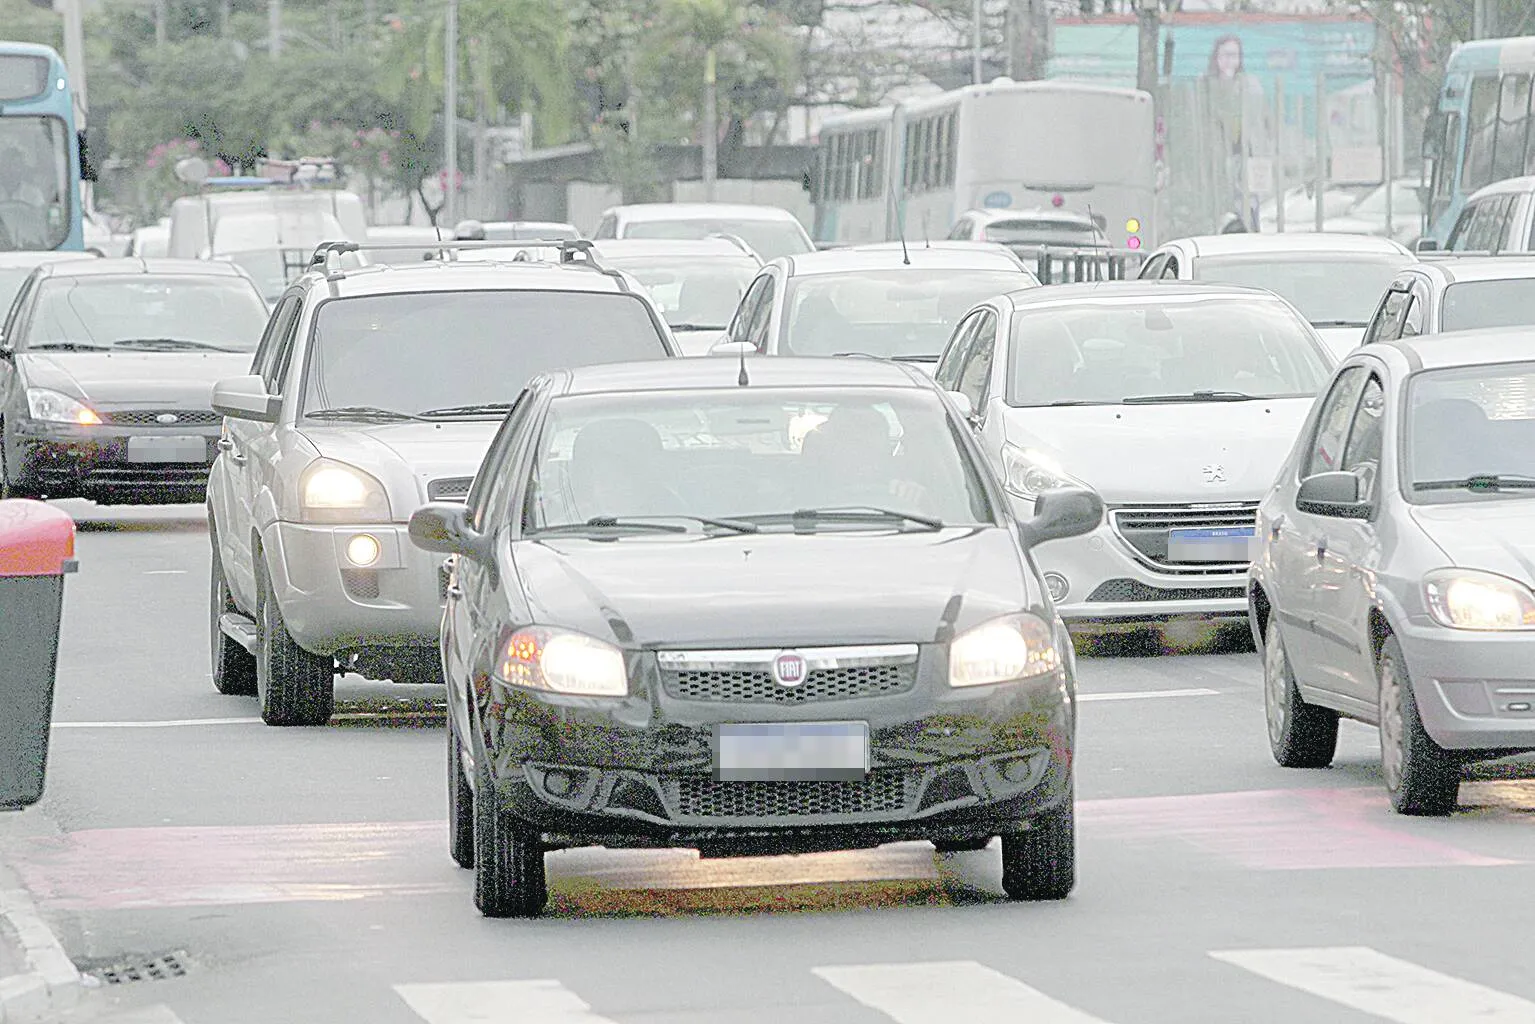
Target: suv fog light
[(1057, 585), (362, 549)]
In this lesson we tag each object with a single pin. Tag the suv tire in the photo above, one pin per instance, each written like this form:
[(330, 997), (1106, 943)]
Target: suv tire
[(1421, 776), (1041, 864), (234, 668), (508, 857), (295, 686)]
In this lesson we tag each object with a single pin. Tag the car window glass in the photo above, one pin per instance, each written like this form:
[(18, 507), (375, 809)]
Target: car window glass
[(740, 326), (606, 229), (284, 356), (961, 230), (1332, 291), (498, 469), (1362, 456), (1469, 305), (954, 354), (976, 373), (1412, 320), (1468, 421), (1170, 272), (216, 313), (1391, 316), (1459, 234), (1153, 267), (1325, 453), (762, 314), (276, 328)]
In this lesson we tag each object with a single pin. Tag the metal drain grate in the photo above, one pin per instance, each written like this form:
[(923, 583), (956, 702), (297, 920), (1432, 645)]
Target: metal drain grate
[(156, 968)]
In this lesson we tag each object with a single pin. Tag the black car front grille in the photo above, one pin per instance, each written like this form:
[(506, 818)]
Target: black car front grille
[(884, 792), (450, 488), (748, 686), (1147, 531), (151, 417), (1135, 590)]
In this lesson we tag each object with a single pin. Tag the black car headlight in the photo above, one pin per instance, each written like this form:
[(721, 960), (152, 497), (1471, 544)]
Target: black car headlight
[(1010, 649), (561, 661)]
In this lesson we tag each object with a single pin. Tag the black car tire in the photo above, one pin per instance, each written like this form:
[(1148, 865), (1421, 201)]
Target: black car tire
[(508, 857), (1422, 778), (234, 668), (7, 490), (460, 804), (1041, 864), (961, 845), (1301, 735), (295, 687)]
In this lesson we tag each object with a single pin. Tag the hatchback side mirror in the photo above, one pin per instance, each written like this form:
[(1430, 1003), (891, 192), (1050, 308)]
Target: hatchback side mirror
[(1060, 513), (1333, 494), (444, 527), (246, 398)]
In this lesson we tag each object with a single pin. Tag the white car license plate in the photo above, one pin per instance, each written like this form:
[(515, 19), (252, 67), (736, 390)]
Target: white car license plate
[(792, 752), (1218, 544), (167, 449)]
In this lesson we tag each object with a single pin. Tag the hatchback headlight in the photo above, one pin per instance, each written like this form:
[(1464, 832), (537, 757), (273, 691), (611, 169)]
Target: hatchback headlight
[(1030, 471), (561, 661), (51, 406), (1472, 599), (1004, 650), (333, 492)]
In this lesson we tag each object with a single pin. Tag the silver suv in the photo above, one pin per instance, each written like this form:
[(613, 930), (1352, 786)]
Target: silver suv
[(372, 392)]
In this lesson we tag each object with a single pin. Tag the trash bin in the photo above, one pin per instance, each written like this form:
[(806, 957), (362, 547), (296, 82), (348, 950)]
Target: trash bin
[(37, 547)]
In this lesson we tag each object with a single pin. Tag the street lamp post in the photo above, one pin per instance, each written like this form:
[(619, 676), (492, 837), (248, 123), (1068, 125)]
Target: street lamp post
[(710, 138), (450, 112), (975, 41)]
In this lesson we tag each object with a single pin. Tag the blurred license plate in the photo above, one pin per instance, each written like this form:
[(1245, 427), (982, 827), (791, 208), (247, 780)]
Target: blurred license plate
[(1221, 544), (167, 449), (791, 752)]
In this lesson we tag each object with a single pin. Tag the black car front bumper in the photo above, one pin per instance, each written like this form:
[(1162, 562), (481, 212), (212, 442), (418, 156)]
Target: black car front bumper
[(64, 460)]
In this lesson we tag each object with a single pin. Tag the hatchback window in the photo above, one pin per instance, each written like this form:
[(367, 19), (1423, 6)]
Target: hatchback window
[(1473, 304), (1328, 292), (415, 352), (756, 456), (145, 312)]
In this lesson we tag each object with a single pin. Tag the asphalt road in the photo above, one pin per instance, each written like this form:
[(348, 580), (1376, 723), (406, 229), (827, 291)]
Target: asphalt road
[(302, 875)]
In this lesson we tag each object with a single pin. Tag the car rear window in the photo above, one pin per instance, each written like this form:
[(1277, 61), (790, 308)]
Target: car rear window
[(1474, 304)]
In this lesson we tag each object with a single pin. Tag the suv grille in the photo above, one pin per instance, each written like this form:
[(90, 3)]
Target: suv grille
[(450, 488), (881, 793), (745, 686), (150, 417), (1147, 530)]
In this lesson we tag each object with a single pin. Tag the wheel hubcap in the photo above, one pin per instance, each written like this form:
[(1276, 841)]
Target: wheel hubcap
[(1392, 753), (1276, 687)]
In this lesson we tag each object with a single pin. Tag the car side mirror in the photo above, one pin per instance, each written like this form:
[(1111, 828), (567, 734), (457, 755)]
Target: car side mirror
[(246, 398), (444, 527), (963, 404), (1060, 513), (1426, 245), (732, 348), (1333, 494)]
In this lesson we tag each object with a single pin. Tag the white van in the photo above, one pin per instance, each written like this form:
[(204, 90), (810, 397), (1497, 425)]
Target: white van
[(296, 219)]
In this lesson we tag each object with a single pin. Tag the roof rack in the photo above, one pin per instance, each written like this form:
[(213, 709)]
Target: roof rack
[(448, 249)]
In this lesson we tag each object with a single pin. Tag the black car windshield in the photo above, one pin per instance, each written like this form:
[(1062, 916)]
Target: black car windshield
[(1114, 350), (876, 456), (770, 239), (1470, 305), (1330, 291), (1469, 428), (695, 293), (888, 313), (141, 310), (411, 352)]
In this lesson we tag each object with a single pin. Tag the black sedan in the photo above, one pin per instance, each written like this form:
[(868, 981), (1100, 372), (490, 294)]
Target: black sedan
[(768, 609)]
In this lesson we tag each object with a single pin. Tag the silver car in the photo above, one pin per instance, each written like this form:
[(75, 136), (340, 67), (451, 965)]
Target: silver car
[(1393, 585), (1464, 293)]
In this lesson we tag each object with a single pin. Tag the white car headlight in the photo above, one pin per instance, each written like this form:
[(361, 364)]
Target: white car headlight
[(56, 407), (1030, 471), (332, 492), (562, 662), (1471, 599), (1003, 650)]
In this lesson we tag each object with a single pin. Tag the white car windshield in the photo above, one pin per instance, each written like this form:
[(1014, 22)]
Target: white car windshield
[(1474, 304), (1146, 350), (1470, 433), (1329, 291), (141, 311)]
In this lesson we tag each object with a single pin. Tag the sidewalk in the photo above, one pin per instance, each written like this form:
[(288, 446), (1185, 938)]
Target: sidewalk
[(38, 981)]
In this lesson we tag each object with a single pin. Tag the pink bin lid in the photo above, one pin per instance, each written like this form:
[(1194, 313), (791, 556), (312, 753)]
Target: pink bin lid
[(36, 539)]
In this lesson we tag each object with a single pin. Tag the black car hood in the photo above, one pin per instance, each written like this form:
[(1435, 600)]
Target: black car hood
[(168, 379), (774, 589)]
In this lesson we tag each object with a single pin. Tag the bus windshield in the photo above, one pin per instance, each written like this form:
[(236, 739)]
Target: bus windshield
[(34, 183)]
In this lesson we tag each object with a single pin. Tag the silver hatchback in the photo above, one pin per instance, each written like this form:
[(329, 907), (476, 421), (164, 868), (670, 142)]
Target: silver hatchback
[(1395, 582)]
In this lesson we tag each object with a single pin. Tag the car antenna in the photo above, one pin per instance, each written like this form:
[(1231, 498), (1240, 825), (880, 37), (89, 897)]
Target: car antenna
[(901, 234), (741, 378)]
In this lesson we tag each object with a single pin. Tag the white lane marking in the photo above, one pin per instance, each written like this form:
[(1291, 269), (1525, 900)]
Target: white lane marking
[(178, 723), (1197, 691), (1371, 981), (165, 572), (945, 991), (501, 1002)]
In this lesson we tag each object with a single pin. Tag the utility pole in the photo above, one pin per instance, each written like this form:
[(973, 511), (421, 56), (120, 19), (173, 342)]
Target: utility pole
[(1150, 31), (74, 55), (711, 125), (274, 28), (1026, 40), (1484, 19), (450, 112), (226, 11), (976, 13), (161, 16)]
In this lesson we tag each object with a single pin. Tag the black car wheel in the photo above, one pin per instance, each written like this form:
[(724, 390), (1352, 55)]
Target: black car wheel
[(460, 804), (7, 489), (1301, 735), (1421, 776), (1041, 864), (234, 668), (508, 857), (961, 845), (295, 686)]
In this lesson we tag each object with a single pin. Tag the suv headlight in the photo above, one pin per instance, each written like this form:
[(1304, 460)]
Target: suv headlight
[(560, 661), (333, 492), (1471, 599), (1030, 471), (1004, 650), (56, 407)]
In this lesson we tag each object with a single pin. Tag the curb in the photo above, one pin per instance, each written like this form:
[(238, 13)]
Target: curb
[(52, 985)]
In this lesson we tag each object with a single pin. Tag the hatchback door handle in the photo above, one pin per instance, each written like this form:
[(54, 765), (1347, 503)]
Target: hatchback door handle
[(1276, 527), (1321, 548)]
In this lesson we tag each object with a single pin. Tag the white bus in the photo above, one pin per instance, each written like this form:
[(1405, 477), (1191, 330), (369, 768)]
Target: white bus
[(917, 166)]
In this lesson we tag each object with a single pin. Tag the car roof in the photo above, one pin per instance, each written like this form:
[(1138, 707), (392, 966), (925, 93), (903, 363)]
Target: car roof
[(1243, 243), (1452, 268), (36, 258), (699, 211), (469, 275), (719, 372), (888, 256), (634, 248), (117, 266), (1156, 288), (1525, 183), (1468, 348)]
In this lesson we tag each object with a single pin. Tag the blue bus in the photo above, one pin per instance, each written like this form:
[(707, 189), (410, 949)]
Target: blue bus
[(1480, 129), (42, 158)]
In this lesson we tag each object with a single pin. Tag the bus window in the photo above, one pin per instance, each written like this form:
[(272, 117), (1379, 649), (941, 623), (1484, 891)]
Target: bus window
[(1513, 122), (1444, 164), (1481, 131)]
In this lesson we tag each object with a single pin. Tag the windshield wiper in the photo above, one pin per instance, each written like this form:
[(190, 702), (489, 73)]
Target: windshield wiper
[(176, 344), (639, 523), (66, 346), (915, 358), (851, 514), (361, 412), (1191, 396), (480, 409), (697, 327), (1480, 483), (1340, 323)]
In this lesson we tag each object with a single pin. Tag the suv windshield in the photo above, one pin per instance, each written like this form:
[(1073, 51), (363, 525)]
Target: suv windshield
[(888, 313), (1329, 291), (182, 311), (1210, 348), (1469, 433), (769, 239), (34, 183), (756, 456), (411, 352), (1474, 304)]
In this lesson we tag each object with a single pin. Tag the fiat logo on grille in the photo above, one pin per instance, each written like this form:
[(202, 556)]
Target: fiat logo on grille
[(789, 668), (167, 417)]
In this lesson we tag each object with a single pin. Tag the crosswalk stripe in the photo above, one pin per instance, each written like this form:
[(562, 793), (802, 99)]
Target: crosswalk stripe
[(1397, 990), (940, 992), (539, 1001)]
